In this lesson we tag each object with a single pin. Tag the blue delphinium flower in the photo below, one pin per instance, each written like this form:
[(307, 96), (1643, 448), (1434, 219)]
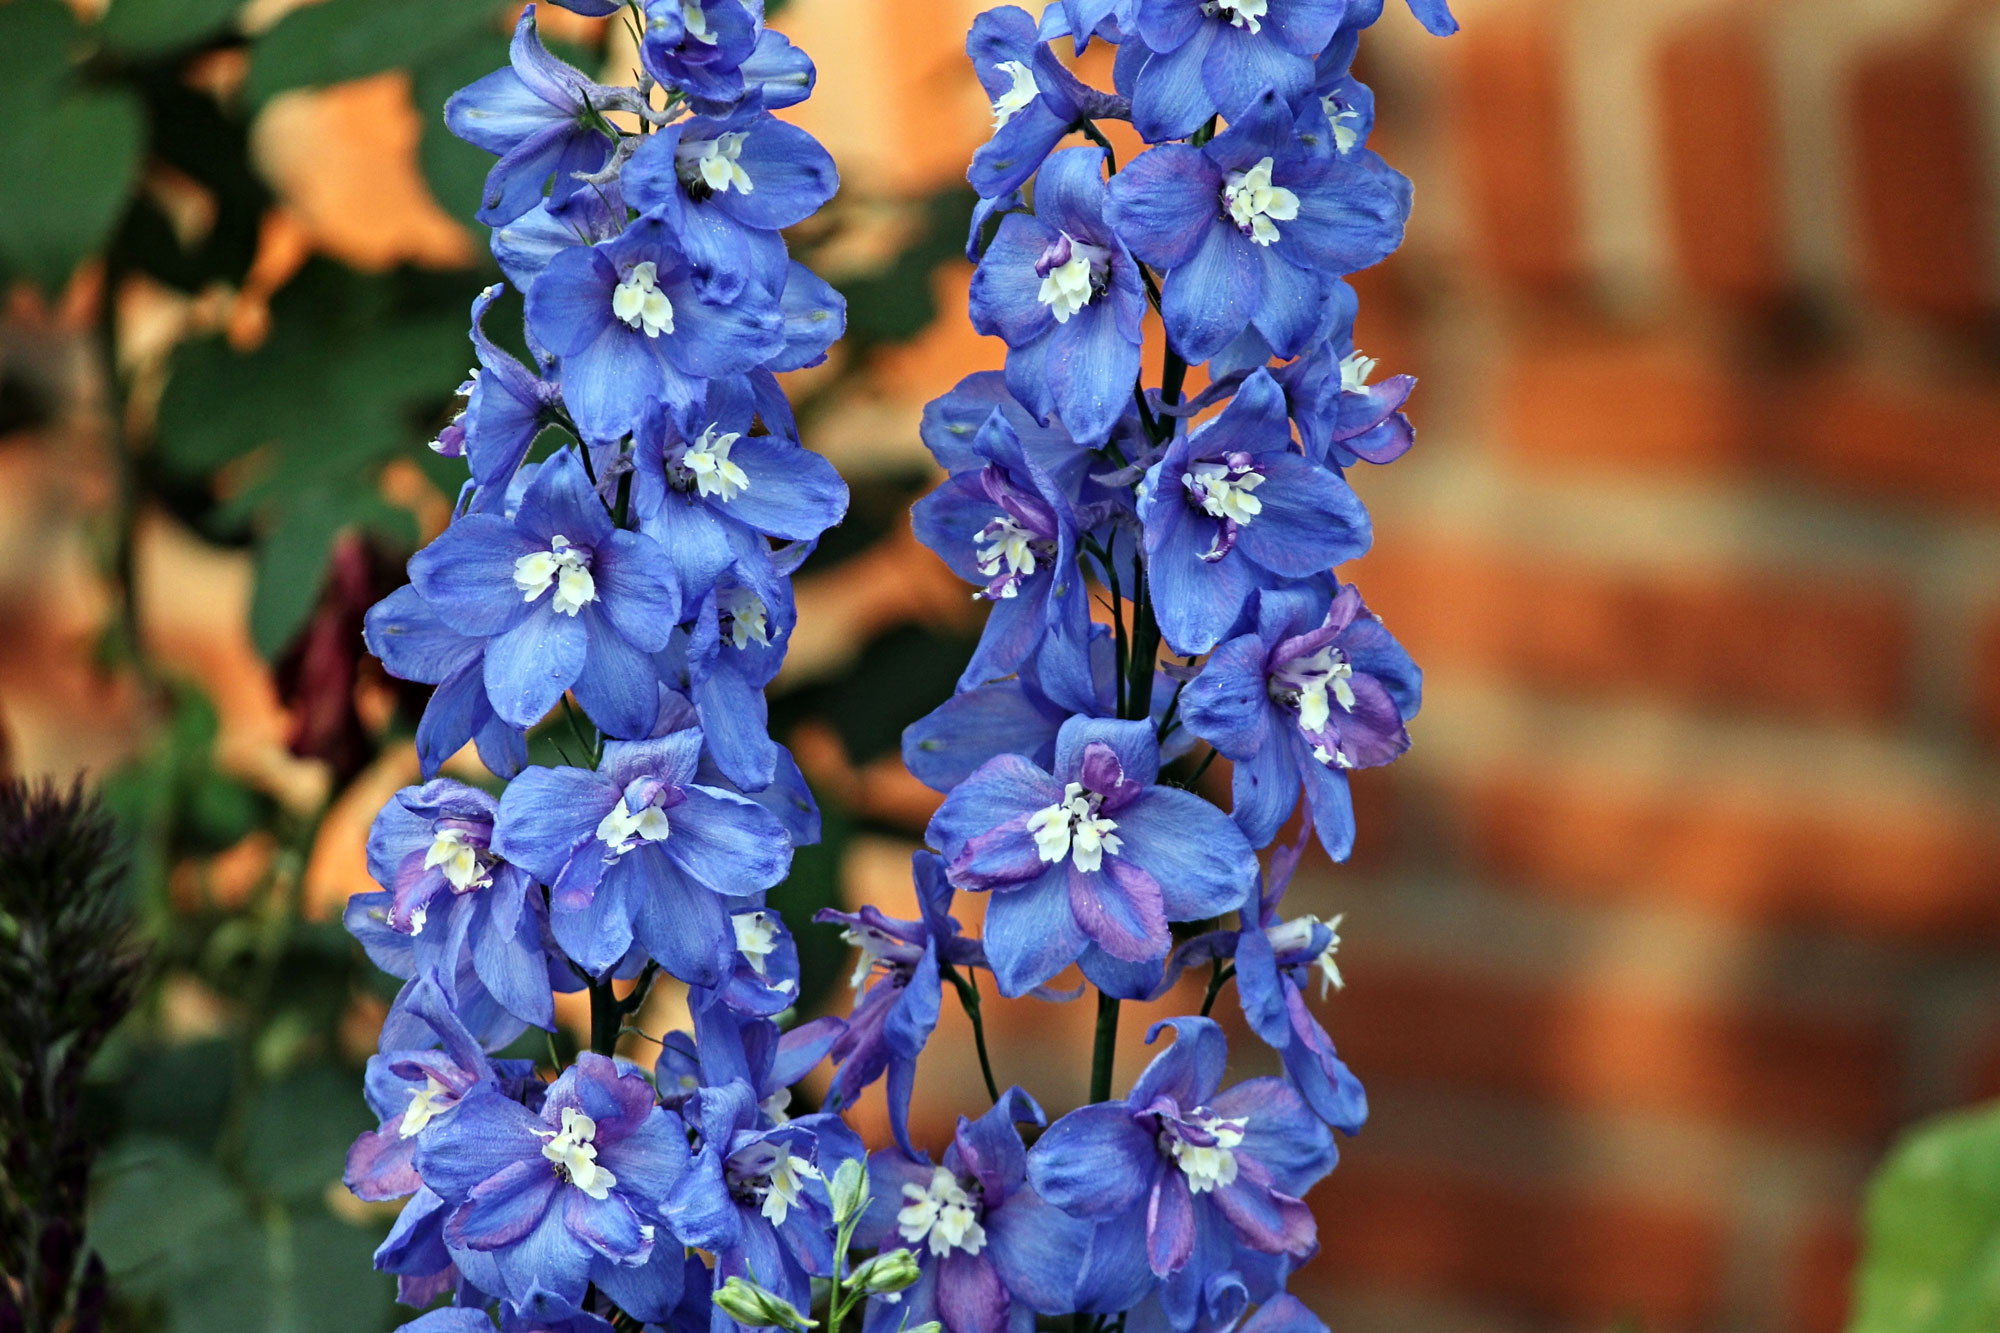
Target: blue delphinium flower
[(755, 1195), (431, 848), (1234, 505), (1089, 861), (1218, 56), (632, 324), (730, 651), (1036, 102), (1061, 289), (695, 490), (1252, 225), (700, 46), (992, 1254), (728, 1047), (640, 851), (506, 406), (411, 1090), (414, 644), (895, 1016), (1315, 688), (1009, 527), (563, 600), (543, 118), (726, 187), (543, 1204), (1196, 1169)]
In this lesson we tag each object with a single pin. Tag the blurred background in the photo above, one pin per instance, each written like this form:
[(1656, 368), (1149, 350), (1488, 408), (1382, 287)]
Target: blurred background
[(1686, 902)]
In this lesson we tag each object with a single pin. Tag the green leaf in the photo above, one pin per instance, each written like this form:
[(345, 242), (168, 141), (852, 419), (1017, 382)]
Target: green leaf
[(300, 1130), (66, 172), (153, 27), (351, 39), (335, 1288), (37, 38), (152, 1197), (1932, 1258), (291, 564)]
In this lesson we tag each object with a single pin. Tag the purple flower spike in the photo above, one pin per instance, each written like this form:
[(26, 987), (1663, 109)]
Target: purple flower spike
[(1088, 862), (542, 1205), (1318, 688), (638, 851), (1179, 1166), (1235, 505)]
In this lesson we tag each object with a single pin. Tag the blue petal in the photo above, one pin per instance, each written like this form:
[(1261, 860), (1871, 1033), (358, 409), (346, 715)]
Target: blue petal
[(727, 842), (1209, 299), (529, 666), (1164, 202), (1096, 1162), (1031, 935), (1199, 859)]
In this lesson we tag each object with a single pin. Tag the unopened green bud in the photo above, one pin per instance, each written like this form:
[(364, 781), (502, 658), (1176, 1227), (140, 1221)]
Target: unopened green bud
[(748, 1303), (887, 1273), (848, 1191), (932, 1327)]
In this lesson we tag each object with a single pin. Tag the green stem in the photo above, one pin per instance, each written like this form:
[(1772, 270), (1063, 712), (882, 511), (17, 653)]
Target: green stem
[(1106, 1048), (1145, 648), (607, 1015), (1202, 768), (1223, 972), (968, 999), (1096, 136), (1121, 648)]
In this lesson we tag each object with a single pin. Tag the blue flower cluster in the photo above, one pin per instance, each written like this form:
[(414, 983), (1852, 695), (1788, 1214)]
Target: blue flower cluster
[(621, 553)]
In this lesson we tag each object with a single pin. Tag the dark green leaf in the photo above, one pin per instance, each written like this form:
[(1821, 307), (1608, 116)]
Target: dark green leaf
[(813, 884), (291, 564), (300, 1131), (66, 171), (1932, 1258), (151, 27), (152, 1197), (335, 1288), (37, 39), (351, 39)]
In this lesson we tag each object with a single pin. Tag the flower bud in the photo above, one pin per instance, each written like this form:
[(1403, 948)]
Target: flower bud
[(848, 1190), (932, 1327), (887, 1273), (748, 1303)]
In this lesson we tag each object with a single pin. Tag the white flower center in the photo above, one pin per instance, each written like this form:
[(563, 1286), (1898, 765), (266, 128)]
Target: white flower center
[(785, 1180), (1240, 13), (562, 565), (1296, 934), (756, 937), (697, 22), (1305, 683), (944, 1214), (745, 618), (1224, 492), (1073, 828), (1346, 124), (1208, 1167), (1005, 542), (718, 163), (708, 460), (1354, 372), (575, 1154), (426, 1104), (641, 304), (1072, 285), (621, 830), (464, 868), (1253, 203), (1008, 104), (872, 943)]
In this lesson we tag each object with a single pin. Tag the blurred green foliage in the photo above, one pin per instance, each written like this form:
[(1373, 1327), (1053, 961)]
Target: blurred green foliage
[(1932, 1257), (228, 1102)]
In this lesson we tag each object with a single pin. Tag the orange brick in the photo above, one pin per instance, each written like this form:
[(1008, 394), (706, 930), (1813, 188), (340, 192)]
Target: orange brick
[(1924, 217), (1544, 1255), (1742, 854), (1820, 1288), (1930, 442), (1718, 132), (1574, 1044), (1510, 121), (1810, 646), (1596, 394)]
